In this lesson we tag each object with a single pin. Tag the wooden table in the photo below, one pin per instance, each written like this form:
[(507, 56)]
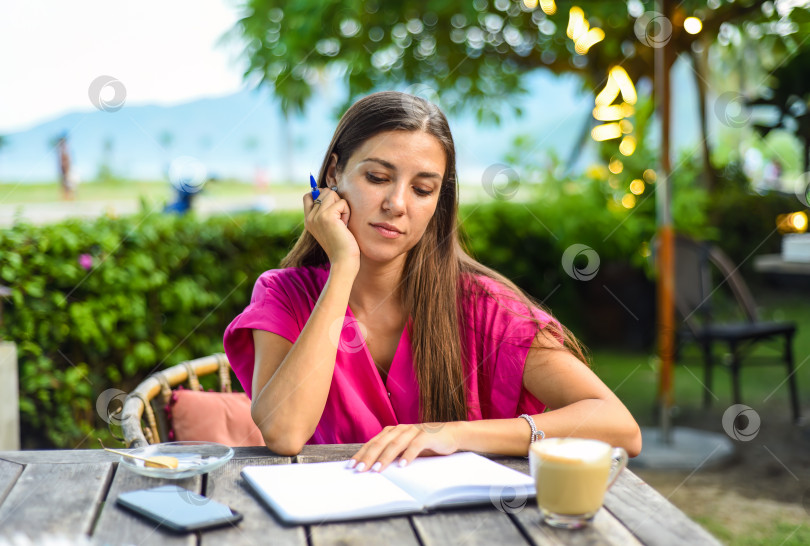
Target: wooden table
[(72, 493)]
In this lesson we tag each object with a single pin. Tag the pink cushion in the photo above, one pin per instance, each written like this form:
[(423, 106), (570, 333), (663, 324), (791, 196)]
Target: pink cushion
[(222, 417)]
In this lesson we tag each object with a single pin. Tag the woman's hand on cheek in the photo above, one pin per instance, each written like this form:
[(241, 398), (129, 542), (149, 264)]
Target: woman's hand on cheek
[(328, 222), (406, 442)]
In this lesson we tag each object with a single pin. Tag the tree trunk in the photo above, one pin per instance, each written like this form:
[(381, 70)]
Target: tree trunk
[(700, 65), (805, 190)]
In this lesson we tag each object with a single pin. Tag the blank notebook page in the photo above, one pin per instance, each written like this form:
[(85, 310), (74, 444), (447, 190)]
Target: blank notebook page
[(431, 478), (312, 492)]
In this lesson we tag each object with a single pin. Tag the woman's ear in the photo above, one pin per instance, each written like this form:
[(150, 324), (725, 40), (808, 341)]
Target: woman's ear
[(331, 171)]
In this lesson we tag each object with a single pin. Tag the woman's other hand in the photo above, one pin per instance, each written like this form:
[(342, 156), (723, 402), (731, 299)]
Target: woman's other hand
[(327, 221), (406, 442)]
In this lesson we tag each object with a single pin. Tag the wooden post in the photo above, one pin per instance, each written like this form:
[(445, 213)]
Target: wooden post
[(666, 254), (9, 398)]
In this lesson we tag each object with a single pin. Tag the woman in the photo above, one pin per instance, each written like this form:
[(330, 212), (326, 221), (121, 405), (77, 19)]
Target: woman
[(380, 329)]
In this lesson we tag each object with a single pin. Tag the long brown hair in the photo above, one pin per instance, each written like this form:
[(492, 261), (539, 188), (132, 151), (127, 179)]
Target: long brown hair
[(431, 283)]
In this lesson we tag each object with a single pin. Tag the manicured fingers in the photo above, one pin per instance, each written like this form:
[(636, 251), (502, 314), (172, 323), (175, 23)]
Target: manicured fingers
[(365, 457), (383, 449), (398, 446), (405, 442)]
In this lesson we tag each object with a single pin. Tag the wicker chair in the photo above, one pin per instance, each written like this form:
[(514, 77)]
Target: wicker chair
[(148, 400)]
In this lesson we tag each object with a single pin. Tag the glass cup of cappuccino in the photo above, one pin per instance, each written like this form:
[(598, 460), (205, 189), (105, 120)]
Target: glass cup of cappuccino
[(572, 476)]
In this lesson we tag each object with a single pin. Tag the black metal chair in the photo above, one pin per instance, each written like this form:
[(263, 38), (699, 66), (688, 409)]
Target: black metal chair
[(696, 263)]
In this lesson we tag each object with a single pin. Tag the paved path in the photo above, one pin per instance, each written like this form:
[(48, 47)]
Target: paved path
[(46, 213), (204, 205)]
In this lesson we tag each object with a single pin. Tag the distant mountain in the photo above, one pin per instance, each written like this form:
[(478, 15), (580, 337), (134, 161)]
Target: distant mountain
[(237, 135)]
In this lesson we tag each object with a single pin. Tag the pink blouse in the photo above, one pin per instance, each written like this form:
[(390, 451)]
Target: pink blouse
[(359, 404)]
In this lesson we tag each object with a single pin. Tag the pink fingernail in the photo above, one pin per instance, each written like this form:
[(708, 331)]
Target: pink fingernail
[(402, 462), (360, 467), (351, 463), (376, 467)]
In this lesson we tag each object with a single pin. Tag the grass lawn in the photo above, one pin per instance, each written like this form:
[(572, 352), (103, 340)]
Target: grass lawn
[(778, 532)]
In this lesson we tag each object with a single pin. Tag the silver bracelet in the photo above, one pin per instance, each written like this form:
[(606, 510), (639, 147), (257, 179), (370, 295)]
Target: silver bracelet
[(536, 434)]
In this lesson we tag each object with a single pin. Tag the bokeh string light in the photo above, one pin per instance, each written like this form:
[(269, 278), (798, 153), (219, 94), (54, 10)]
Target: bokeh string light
[(692, 25), (794, 222), (580, 32)]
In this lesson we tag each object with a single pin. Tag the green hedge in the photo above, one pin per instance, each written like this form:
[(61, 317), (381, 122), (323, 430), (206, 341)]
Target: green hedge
[(161, 289)]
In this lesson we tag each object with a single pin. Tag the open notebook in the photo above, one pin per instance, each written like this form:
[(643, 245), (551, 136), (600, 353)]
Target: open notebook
[(319, 492)]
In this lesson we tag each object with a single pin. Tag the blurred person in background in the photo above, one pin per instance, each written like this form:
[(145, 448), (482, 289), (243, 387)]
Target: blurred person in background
[(187, 176), (67, 178)]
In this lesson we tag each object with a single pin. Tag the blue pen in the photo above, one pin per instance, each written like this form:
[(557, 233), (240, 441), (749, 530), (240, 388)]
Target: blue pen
[(315, 192)]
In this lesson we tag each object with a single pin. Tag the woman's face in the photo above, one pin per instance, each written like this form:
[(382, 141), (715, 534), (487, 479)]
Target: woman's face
[(393, 178)]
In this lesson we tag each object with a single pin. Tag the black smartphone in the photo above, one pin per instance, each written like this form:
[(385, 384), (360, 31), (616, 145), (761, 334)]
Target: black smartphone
[(178, 509)]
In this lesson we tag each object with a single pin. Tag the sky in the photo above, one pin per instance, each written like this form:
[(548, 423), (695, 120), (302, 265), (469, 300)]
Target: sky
[(163, 52)]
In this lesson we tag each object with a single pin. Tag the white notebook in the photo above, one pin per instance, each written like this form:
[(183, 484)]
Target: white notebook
[(319, 492)]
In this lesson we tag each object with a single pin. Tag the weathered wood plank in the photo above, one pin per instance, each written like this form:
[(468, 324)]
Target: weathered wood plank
[(72, 456), (651, 517), (473, 525), (323, 453), (256, 452), (388, 531), (67, 456), (55, 499), (605, 529), (9, 393), (339, 452), (258, 526), (9, 472), (117, 525)]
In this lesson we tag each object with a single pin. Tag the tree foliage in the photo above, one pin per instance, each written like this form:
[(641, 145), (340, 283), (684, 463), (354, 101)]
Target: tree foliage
[(476, 53), (789, 93)]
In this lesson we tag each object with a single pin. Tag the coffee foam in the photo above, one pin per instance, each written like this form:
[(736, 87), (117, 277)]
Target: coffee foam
[(574, 449)]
